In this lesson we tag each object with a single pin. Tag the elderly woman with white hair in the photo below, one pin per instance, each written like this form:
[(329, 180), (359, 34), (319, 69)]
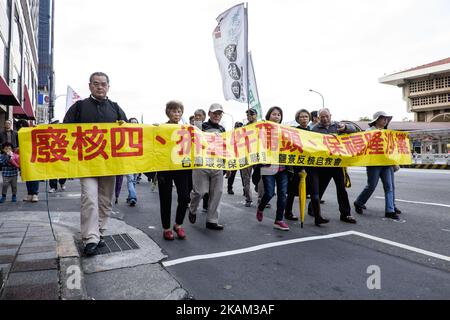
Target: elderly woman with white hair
[(374, 173)]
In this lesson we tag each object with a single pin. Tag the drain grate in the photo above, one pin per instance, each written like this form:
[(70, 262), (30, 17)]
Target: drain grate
[(115, 243)]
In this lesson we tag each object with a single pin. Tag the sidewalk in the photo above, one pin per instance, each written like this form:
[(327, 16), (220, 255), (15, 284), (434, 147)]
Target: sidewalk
[(36, 266)]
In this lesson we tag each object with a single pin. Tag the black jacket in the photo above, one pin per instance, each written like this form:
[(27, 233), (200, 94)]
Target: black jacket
[(91, 110), (208, 126), (14, 138)]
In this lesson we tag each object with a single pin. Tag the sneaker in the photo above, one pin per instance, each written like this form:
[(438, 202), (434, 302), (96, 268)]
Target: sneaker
[(392, 215), (168, 235), (259, 215), (268, 206), (2, 199), (397, 211), (281, 225), (133, 202), (28, 198), (52, 190), (248, 204), (230, 191), (14, 198), (34, 198), (117, 200), (63, 187), (180, 232)]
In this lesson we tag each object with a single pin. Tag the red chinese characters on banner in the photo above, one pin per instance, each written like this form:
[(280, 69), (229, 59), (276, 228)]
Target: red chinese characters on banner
[(49, 145), (189, 136), (90, 143), (268, 134), (375, 143), (242, 137), (290, 140), (130, 137), (333, 145), (402, 146), (390, 143), (217, 145), (355, 145)]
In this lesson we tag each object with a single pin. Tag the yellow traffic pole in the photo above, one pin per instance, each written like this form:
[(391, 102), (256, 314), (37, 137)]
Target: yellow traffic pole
[(302, 195)]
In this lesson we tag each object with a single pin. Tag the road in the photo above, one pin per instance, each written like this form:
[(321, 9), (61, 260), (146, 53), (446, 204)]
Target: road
[(375, 259)]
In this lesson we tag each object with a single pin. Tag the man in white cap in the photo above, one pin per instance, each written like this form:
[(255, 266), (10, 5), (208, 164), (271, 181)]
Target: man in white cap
[(208, 180), (375, 173)]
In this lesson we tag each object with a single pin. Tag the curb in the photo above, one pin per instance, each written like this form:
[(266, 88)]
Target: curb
[(71, 277)]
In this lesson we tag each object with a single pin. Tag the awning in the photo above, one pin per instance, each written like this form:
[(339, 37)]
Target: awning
[(27, 104), (7, 98)]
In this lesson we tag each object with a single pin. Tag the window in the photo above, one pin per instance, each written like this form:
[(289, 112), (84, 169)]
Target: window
[(421, 116)]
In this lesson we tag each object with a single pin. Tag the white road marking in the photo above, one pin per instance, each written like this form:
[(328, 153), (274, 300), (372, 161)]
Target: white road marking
[(446, 230), (298, 240), (403, 246), (251, 249), (419, 202), (404, 171)]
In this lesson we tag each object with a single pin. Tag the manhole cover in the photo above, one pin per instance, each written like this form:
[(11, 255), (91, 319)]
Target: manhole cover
[(114, 243)]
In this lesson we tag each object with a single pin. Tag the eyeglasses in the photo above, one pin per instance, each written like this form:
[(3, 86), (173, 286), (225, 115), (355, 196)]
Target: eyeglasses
[(99, 84)]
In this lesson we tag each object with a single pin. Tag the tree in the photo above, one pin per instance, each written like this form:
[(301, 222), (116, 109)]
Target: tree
[(364, 119)]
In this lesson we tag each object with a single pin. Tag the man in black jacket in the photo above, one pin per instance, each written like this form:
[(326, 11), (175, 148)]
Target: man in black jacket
[(321, 176), (9, 135), (96, 192), (208, 180)]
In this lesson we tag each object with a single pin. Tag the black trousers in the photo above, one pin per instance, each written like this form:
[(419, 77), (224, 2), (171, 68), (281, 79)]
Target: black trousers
[(165, 183), (320, 178), (54, 183)]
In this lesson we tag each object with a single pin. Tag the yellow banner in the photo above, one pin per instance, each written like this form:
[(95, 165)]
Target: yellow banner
[(89, 150)]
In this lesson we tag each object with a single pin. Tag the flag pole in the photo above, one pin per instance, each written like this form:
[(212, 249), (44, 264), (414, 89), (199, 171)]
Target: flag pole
[(246, 52)]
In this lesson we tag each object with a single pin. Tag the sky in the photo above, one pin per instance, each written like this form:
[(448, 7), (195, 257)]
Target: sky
[(156, 51)]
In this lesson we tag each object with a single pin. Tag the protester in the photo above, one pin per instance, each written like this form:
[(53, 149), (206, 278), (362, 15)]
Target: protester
[(302, 117), (192, 120), (166, 179), (314, 120), (9, 135), (199, 119), (32, 186), (96, 192), (54, 185), (321, 176), (132, 179), (232, 175), (374, 173), (208, 180), (272, 174), (9, 162)]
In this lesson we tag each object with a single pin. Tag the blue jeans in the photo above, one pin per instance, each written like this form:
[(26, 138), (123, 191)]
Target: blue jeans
[(281, 179), (373, 175), (131, 184)]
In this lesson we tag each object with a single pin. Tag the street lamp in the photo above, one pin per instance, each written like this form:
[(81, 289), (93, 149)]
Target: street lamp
[(323, 101)]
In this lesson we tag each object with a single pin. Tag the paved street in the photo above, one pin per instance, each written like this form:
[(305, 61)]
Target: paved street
[(333, 268), (251, 260)]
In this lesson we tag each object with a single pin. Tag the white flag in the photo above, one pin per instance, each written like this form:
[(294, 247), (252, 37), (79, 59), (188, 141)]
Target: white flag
[(230, 46), (71, 97), (253, 97)]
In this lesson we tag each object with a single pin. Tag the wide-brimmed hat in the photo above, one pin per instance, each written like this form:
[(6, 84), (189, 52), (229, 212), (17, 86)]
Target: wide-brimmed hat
[(379, 114)]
